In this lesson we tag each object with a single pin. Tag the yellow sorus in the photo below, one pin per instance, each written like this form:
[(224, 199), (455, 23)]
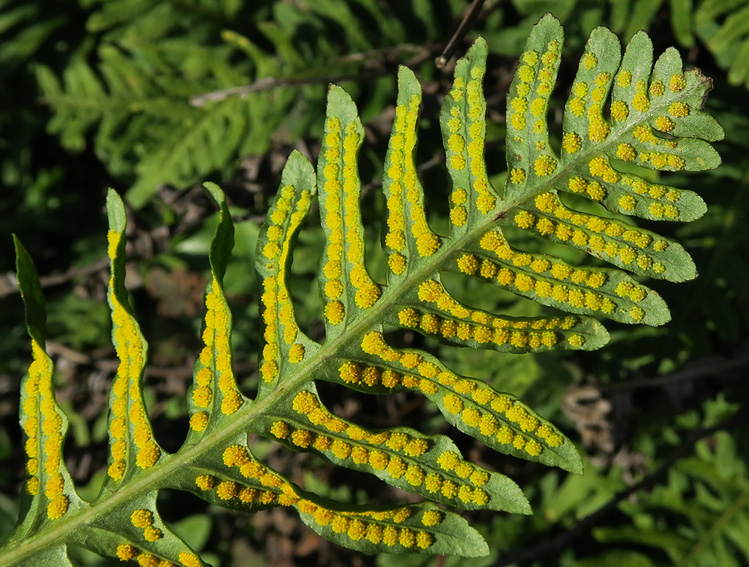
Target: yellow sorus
[(305, 402), (334, 312), (627, 202), (141, 518), (664, 124), (544, 165), (302, 438), (414, 475), (57, 508), (416, 447), (530, 57), (397, 263), (625, 152), (296, 353), (465, 493), (519, 104), (280, 430), (678, 109), (453, 403), (571, 142), (637, 313), (147, 560), (463, 469), (458, 216), (595, 191), (333, 289), (657, 88), (152, 534), (545, 202), (448, 460), (449, 489), (656, 209), (517, 175), (677, 83), (359, 455), (575, 184), (322, 443), (598, 129), (589, 61), (533, 448), (538, 106), (468, 264), (619, 111), (126, 552), (227, 490), (640, 102), (236, 455), (624, 78), (580, 89), (524, 219), (408, 318), (406, 537), (525, 74)]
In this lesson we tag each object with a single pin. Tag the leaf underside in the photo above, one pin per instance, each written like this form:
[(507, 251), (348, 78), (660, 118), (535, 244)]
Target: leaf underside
[(620, 109)]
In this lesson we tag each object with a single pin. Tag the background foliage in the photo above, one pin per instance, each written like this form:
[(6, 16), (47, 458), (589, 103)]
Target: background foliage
[(153, 97)]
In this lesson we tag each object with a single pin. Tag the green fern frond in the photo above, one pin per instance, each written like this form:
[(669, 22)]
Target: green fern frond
[(722, 26), (656, 122)]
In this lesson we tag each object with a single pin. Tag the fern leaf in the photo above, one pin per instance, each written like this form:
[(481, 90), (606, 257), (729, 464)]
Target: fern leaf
[(722, 26), (655, 122)]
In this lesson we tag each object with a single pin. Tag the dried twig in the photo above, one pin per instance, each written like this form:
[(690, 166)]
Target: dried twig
[(267, 83), (468, 19)]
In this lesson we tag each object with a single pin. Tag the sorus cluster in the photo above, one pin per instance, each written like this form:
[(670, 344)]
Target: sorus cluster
[(374, 343), (361, 375), (529, 273), (659, 202), (465, 147), (128, 552), (478, 407), (404, 191), (477, 325), (340, 204), (128, 410), (278, 312), (306, 403), (392, 447), (375, 526), (215, 361), (622, 243), (269, 487), (143, 519), (43, 427), (527, 109)]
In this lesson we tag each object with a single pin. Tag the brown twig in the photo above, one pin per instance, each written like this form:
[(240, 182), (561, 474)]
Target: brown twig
[(468, 19), (9, 284), (709, 366), (267, 83), (555, 545)]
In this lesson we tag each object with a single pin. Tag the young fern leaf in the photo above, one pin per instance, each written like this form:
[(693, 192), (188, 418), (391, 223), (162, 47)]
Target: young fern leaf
[(656, 122)]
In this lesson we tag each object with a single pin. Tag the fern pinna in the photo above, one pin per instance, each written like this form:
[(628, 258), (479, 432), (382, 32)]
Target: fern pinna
[(619, 110)]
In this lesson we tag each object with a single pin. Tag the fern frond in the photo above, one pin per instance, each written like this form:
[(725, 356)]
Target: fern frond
[(722, 26), (656, 122)]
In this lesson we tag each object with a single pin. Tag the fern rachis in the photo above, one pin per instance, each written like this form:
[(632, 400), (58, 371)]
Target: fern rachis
[(215, 462)]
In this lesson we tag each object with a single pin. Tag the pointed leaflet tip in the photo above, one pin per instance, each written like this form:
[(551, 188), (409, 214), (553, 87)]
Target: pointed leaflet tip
[(215, 193), (299, 172), (223, 238), (116, 211), (31, 292)]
